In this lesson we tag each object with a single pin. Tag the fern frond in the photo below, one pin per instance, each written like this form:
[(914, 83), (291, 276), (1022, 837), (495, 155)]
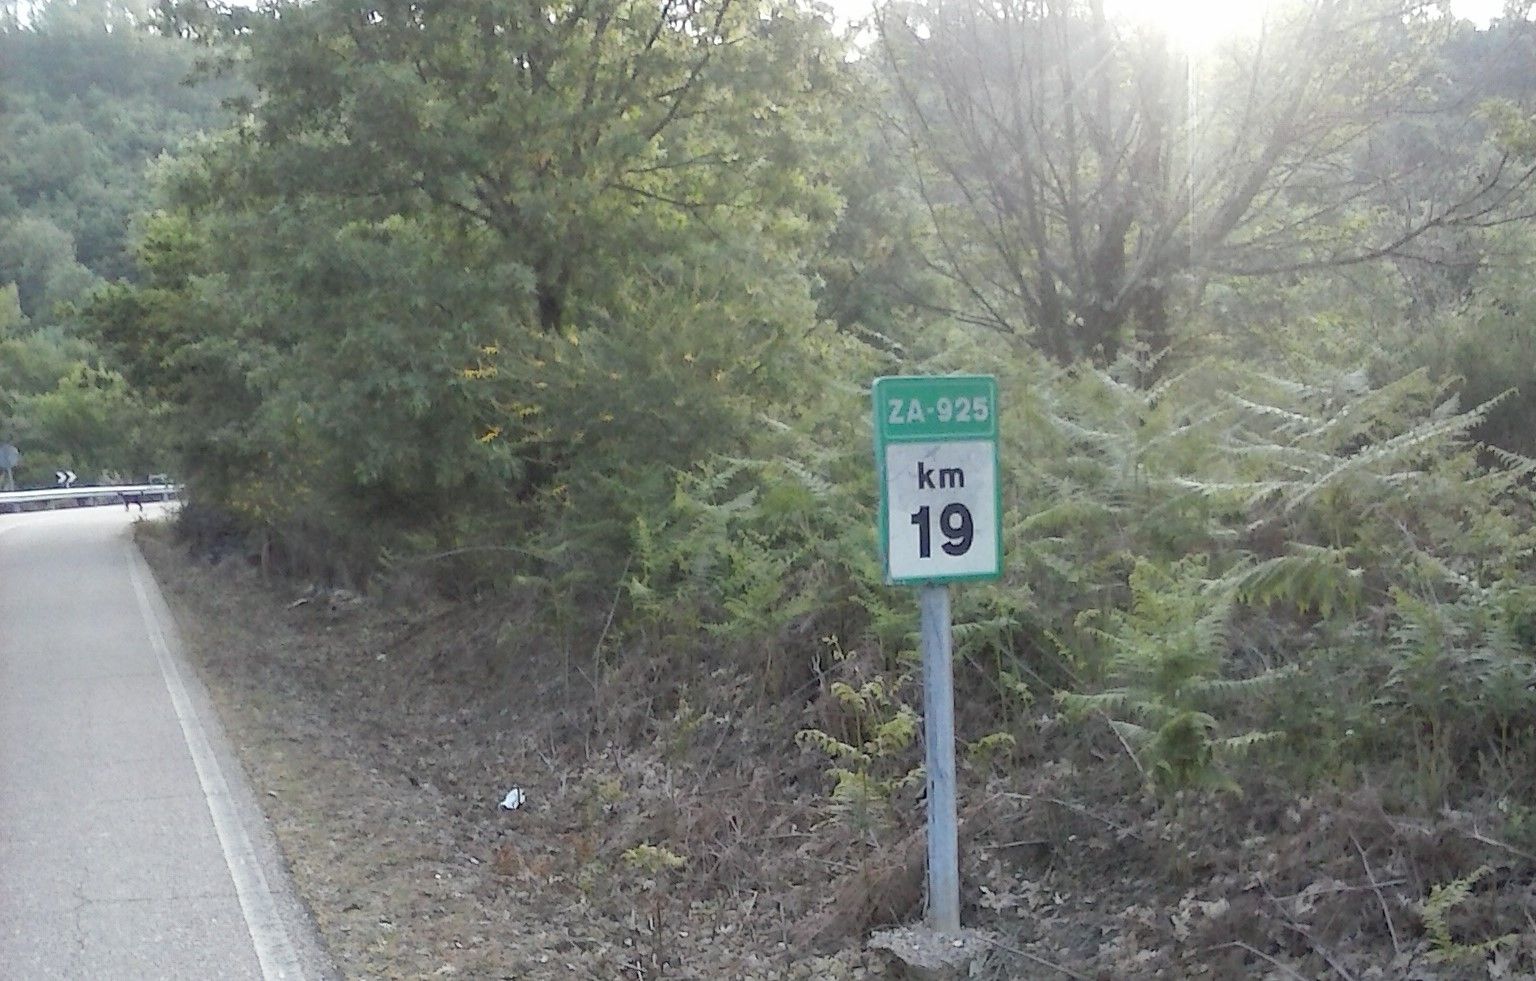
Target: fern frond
[(1250, 685), (1085, 433), (819, 486), (1379, 454), (1290, 386), (1314, 579), (1035, 531), (1247, 490), (1134, 735), (833, 747), (1080, 704), (1435, 912), (1511, 462), (1273, 411)]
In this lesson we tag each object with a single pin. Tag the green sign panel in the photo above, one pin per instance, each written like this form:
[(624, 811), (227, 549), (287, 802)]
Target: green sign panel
[(940, 500), (935, 407)]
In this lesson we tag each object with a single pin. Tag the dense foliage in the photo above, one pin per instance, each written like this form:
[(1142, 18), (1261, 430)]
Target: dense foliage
[(584, 300), (531, 298), (88, 100)]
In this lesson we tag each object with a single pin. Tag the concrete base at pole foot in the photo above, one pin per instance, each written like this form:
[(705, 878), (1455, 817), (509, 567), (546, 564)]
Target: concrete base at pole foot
[(921, 953)]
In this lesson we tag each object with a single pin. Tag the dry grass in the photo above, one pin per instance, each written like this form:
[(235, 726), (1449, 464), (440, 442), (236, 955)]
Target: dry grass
[(383, 737)]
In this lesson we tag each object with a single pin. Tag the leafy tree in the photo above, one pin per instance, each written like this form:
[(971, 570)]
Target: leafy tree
[(38, 258), (1087, 181), (90, 98), (1488, 343), (484, 255), (90, 422)]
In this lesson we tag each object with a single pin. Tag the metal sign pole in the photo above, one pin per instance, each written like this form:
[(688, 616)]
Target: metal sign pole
[(940, 522), (939, 743)]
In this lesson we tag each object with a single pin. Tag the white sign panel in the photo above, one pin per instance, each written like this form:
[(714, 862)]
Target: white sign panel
[(941, 510)]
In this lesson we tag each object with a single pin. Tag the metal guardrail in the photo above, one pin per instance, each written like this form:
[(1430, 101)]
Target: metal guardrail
[(91, 495)]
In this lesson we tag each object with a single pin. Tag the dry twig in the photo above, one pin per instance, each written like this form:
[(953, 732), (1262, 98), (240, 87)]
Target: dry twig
[(1127, 747), (1291, 924), (1340, 889), (1037, 959), (1376, 888), (1259, 953), (1076, 809), (1478, 836), (1322, 951)]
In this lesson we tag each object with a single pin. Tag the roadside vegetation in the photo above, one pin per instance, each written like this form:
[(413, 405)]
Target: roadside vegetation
[(88, 101), (543, 336)]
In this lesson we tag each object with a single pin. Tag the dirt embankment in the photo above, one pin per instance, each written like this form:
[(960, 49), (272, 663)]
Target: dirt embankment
[(673, 826)]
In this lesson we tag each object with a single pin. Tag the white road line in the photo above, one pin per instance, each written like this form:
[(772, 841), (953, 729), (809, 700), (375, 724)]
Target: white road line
[(274, 951)]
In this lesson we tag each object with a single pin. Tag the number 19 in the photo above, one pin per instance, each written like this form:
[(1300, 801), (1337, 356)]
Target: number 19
[(954, 523)]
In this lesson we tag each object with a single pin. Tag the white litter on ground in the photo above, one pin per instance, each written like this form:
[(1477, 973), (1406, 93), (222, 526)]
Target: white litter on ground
[(515, 798)]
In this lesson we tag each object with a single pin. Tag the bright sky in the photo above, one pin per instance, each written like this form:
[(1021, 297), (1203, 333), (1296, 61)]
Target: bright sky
[(1200, 22)]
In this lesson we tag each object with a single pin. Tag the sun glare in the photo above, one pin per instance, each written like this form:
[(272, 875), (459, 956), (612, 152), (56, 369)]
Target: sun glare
[(1194, 25)]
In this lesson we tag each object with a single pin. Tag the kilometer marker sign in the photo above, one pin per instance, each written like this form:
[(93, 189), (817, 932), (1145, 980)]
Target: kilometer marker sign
[(936, 450)]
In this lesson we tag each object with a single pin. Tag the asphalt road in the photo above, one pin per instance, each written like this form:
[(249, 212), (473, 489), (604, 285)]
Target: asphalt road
[(130, 845)]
